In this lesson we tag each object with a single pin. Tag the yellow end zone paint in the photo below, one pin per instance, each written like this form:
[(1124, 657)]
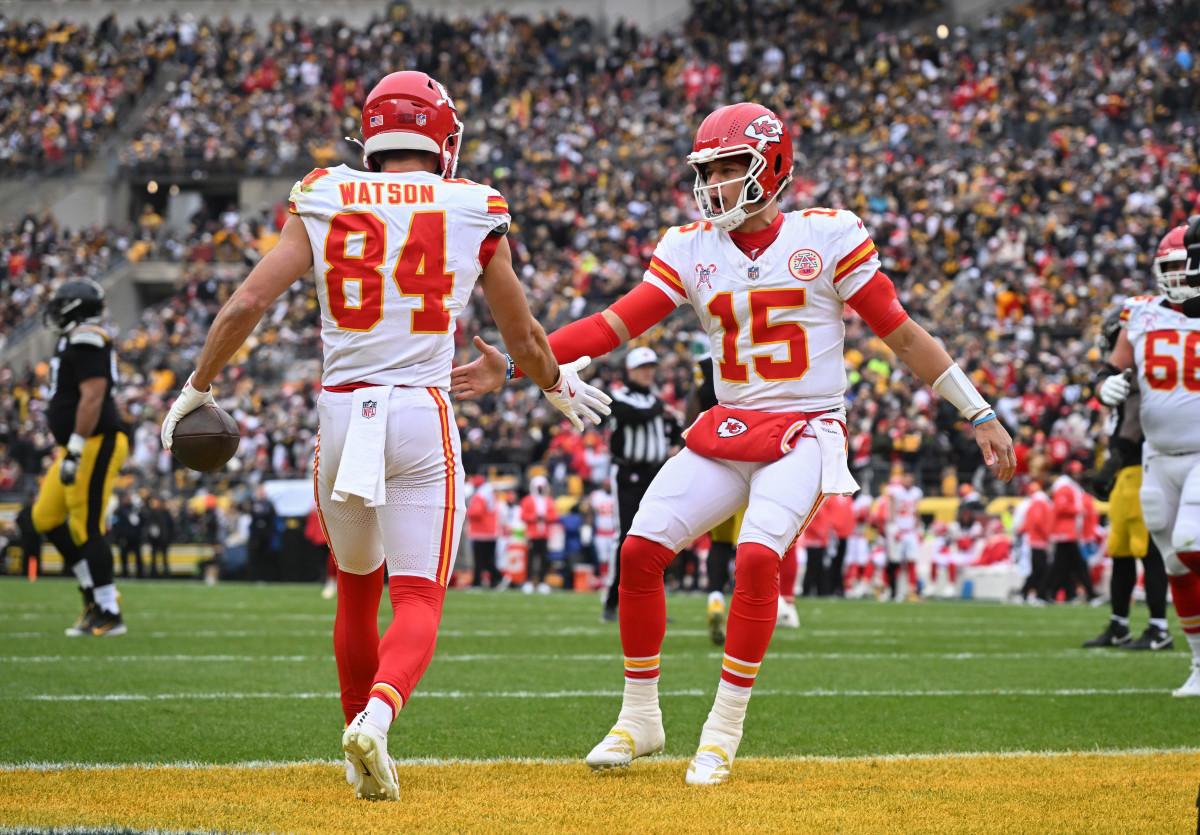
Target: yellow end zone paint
[(1134, 793)]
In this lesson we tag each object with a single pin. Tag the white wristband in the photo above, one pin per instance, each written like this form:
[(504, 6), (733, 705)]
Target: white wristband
[(956, 388), (76, 443)]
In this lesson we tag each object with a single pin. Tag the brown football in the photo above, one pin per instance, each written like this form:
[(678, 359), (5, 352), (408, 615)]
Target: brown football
[(205, 439)]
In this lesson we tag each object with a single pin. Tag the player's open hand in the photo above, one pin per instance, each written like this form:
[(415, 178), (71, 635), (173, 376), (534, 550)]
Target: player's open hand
[(485, 374), (575, 398), (189, 400), (997, 448)]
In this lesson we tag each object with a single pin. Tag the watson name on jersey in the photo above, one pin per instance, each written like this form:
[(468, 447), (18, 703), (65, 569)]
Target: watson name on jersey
[(1166, 346), (396, 256), (774, 324)]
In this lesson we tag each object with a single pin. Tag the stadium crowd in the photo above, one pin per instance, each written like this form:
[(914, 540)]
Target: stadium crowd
[(1014, 175)]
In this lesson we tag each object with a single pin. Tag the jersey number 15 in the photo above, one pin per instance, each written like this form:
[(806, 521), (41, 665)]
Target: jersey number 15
[(762, 332)]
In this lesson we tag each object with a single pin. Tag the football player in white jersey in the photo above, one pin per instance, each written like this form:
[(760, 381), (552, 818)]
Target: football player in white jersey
[(604, 529), (770, 290), (397, 249), (902, 532), (1162, 346)]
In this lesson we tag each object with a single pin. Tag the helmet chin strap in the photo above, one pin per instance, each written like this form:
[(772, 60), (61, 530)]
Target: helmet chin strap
[(731, 220), (366, 160)]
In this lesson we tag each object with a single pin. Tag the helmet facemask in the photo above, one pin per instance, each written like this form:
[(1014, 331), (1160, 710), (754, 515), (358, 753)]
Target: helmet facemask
[(1171, 275), (708, 197), (75, 302)]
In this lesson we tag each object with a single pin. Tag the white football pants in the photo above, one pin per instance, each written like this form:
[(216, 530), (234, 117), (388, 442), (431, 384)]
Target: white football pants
[(692, 494), (418, 530)]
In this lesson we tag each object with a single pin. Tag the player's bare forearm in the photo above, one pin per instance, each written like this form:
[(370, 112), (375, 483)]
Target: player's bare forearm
[(279, 269), (523, 336), (914, 346), (91, 401), (531, 351), (233, 324), (929, 360), (614, 322)]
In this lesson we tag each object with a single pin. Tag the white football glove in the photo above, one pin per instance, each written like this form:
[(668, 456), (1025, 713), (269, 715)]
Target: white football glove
[(1115, 389), (575, 398), (189, 400)]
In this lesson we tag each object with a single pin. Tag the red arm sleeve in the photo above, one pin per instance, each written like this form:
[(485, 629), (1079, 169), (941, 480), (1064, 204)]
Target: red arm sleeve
[(877, 304), (640, 308)]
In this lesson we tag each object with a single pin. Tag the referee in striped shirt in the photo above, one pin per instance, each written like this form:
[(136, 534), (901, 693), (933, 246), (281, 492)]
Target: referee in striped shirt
[(644, 436)]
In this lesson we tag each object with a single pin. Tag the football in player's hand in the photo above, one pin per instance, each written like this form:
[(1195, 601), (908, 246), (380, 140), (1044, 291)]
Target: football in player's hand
[(205, 439)]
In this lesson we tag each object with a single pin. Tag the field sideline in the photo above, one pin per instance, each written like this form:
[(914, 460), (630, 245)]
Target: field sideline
[(219, 712)]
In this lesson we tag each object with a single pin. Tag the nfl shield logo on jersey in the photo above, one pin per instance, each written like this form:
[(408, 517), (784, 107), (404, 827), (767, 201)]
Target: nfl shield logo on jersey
[(703, 274), (805, 264), (368, 409), (752, 273), (730, 428)]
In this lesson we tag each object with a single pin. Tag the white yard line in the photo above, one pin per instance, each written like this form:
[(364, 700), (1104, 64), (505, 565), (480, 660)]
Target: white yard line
[(256, 765), (504, 658), (589, 694)]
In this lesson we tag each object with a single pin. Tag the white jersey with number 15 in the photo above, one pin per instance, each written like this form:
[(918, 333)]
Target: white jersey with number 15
[(775, 323)]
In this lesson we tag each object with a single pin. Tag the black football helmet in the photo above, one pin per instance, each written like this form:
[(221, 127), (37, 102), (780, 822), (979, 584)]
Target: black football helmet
[(75, 301)]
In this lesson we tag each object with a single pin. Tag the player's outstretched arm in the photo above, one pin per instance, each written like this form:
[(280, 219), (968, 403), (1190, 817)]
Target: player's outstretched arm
[(279, 269), (929, 361), (527, 344), (522, 334)]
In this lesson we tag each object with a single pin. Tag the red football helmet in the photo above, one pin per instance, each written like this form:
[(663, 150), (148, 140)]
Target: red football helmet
[(410, 110), (745, 129), (1170, 267)]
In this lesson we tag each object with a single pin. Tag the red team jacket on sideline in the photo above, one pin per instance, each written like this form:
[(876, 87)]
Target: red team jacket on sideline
[(841, 515), (483, 516), (1068, 511), (538, 520), (1037, 521)]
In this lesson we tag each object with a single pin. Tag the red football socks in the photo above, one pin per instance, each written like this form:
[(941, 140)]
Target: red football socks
[(1185, 591), (356, 637), (789, 568), (643, 605), (752, 613), (408, 644)]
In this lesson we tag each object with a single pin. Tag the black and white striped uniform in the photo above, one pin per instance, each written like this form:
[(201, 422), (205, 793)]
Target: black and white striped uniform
[(643, 434)]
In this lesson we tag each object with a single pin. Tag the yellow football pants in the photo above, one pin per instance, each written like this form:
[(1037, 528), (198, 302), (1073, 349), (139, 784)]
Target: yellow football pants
[(1127, 536), (82, 505)]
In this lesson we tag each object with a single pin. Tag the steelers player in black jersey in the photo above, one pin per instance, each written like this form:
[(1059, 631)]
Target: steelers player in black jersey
[(71, 505)]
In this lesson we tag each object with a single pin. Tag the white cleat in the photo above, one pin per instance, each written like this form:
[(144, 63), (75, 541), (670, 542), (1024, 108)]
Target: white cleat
[(627, 741), (368, 767), (787, 615), (1191, 687), (709, 767)]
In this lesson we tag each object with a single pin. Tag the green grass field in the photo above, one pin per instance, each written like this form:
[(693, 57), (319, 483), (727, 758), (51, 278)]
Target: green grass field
[(235, 673)]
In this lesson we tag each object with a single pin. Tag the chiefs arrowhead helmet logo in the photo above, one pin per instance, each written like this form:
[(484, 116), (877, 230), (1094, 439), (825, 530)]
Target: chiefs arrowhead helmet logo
[(730, 428), (767, 129)]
